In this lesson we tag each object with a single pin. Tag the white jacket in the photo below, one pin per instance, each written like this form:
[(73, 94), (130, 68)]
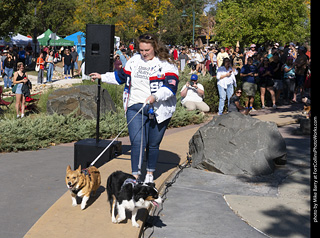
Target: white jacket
[(163, 80), (226, 80)]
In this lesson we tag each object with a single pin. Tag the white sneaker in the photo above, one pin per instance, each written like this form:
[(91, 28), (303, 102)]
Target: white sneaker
[(148, 178)]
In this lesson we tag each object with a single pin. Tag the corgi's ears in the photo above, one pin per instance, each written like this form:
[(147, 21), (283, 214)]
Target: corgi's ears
[(68, 168)]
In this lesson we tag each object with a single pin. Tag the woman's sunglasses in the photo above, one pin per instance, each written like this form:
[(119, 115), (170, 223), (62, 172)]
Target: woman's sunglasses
[(146, 37)]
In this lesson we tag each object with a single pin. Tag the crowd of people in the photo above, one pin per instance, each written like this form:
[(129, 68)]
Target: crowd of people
[(283, 71), (15, 60), (44, 60)]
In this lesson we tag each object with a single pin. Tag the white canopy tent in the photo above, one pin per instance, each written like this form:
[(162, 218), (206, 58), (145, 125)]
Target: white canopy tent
[(18, 39)]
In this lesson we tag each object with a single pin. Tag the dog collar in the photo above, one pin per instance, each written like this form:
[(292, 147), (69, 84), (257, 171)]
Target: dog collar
[(75, 191), (133, 182), (86, 171)]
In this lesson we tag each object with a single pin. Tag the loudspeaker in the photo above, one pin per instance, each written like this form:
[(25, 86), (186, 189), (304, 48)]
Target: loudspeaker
[(99, 48), (87, 150)]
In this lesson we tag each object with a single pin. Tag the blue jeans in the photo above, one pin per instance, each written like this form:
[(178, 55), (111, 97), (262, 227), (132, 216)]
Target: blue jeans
[(67, 69), (7, 79), (223, 92), (50, 72), (152, 137)]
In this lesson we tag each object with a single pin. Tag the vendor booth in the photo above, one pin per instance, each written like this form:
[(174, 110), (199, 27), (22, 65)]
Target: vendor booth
[(49, 38)]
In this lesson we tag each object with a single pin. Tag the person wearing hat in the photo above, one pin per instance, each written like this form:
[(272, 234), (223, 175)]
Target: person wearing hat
[(192, 94), (293, 52), (2, 58), (250, 53)]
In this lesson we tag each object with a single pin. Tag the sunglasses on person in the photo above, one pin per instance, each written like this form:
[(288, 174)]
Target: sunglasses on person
[(146, 37), (238, 92)]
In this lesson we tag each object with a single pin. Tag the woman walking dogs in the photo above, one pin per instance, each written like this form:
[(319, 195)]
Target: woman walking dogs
[(150, 77)]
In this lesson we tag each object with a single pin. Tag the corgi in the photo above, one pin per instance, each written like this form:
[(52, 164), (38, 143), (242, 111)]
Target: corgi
[(307, 111), (126, 193), (81, 183)]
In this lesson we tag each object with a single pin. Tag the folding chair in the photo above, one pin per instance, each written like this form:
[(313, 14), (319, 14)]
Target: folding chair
[(31, 103), (3, 102)]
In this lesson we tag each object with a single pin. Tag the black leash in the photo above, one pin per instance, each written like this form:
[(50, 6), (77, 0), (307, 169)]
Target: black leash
[(154, 218)]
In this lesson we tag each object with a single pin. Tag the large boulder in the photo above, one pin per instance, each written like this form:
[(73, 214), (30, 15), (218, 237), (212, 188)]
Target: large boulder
[(82, 100), (237, 144)]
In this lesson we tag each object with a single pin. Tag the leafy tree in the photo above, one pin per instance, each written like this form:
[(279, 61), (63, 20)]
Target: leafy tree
[(177, 29), (56, 15), (24, 16), (94, 12), (261, 21), (12, 16), (131, 17)]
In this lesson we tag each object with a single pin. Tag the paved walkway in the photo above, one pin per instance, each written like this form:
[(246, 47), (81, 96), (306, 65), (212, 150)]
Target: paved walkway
[(34, 200), (62, 217), (205, 204)]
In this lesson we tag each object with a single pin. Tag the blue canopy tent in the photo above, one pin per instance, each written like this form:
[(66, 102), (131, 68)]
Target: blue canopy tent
[(81, 47)]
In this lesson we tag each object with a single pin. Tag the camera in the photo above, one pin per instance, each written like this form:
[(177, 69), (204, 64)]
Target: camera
[(192, 83)]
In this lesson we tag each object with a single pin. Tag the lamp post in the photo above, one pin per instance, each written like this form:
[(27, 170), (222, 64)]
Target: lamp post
[(184, 14)]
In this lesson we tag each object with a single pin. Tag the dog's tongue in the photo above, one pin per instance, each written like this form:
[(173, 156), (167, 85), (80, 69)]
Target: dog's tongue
[(155, 203)]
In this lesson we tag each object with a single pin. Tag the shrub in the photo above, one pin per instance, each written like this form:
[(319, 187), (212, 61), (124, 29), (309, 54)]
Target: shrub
[(40, 130), (211, 94)]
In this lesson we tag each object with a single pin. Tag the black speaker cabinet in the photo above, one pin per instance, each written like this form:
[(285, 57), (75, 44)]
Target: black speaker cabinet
[(99, 48), (87, 150)]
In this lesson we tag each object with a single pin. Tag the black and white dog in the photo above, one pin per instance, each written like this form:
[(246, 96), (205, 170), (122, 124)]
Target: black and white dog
[(127, 194)]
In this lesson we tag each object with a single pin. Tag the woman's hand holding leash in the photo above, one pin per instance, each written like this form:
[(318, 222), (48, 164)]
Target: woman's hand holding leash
[(151, 99), (95, 76)]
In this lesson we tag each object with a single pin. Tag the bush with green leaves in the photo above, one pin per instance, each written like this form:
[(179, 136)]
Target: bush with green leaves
[(41, 130)]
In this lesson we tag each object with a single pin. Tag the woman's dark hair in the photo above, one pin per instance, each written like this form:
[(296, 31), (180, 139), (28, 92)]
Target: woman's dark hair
[(224, 61), (250, 58), (160, 49), (265, 59), (237, 89)]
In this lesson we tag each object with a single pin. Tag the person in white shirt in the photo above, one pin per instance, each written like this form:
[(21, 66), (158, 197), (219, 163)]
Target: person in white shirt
[(149, 77), (192, 94), (226, 81)]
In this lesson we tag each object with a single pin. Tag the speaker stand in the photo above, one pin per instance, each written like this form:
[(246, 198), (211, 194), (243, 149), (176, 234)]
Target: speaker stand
[(98, 112), (85, 151)]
